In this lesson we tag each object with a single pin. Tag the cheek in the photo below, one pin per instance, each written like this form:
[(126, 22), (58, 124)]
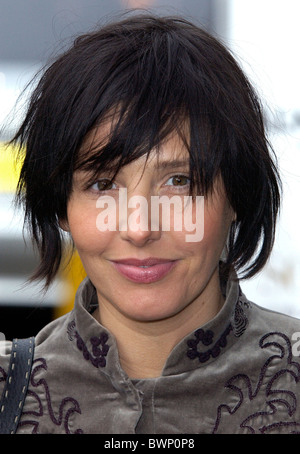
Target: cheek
[(83, 228), (216, 227), (216, 223)]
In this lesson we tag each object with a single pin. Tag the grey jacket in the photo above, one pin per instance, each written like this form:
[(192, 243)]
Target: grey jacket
[(239, 373)]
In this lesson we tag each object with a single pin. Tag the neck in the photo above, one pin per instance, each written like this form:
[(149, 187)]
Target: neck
[(144, 346)]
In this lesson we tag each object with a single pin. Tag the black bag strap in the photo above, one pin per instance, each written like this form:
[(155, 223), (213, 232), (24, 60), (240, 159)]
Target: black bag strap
[(15, 389)]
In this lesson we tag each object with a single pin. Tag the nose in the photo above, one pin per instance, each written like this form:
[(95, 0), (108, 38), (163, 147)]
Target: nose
[(136, 224)]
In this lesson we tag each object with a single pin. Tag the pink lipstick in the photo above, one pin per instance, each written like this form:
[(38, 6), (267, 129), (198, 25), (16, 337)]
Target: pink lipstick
[(144, 271)]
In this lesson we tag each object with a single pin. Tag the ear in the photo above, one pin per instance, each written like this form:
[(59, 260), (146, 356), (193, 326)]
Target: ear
[(232, 216), (64, 225)]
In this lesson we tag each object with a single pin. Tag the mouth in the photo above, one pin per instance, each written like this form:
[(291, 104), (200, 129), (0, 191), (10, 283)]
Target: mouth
[(144, 271)]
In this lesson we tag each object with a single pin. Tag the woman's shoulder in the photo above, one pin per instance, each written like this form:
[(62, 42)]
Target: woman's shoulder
[(274, 319), (269, 325), (43, 343)]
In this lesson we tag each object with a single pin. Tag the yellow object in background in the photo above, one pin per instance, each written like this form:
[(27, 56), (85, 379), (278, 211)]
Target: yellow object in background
[(73, 274), (9, 170)]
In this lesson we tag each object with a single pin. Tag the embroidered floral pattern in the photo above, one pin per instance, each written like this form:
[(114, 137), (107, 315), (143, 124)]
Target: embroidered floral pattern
[(238, 326), (60, 417), (206, 337), (71, 330), (99, 347), (240, 320), (275, 399), (98, 360)]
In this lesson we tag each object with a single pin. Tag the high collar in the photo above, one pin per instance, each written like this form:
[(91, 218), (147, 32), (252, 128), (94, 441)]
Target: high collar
[(200, 347)]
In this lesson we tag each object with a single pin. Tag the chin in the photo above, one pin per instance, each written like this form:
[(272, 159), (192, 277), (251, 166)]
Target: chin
[(149, 313)]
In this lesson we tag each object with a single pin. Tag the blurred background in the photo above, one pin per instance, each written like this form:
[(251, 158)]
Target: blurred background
[(263, 35)]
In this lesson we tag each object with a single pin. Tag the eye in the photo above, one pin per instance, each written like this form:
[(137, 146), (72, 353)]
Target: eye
[(103, 185), (178, 180)]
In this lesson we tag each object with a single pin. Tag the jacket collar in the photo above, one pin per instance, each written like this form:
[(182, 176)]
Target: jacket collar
[(197, 349)]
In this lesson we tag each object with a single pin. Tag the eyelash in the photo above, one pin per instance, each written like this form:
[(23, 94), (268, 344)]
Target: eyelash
[(101, 181), (180, 177), (110, 182)]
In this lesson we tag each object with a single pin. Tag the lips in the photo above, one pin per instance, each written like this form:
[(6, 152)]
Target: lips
[(144, 271)]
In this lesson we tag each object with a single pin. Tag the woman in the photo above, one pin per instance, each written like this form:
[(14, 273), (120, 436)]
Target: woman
[(146, 143)]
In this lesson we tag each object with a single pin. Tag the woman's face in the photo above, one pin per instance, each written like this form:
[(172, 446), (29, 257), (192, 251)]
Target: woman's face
[(146, 266)]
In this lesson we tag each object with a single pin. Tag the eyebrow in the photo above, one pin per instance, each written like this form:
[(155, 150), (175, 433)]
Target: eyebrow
[(174, 164)]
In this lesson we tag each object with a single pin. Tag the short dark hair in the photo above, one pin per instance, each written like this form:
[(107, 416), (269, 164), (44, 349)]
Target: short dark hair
[(155, 73)]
